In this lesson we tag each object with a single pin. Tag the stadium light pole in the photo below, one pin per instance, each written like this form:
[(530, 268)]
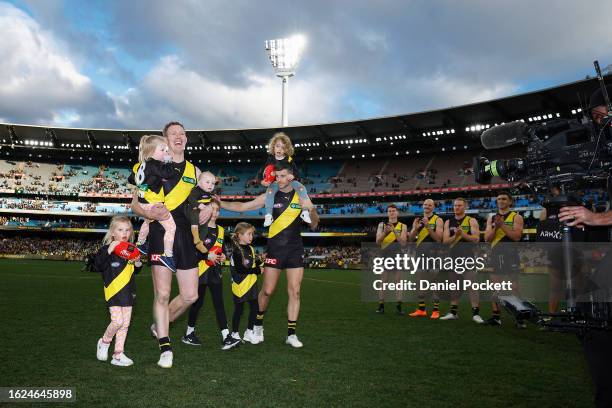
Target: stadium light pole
[(285, 54)]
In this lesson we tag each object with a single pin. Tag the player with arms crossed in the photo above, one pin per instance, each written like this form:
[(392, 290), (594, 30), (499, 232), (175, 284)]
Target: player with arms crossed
[(284, 251)]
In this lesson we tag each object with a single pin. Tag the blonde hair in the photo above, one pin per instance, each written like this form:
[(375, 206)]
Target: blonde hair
[(240, 228), (284, 139), (117, 219), (148, 144)]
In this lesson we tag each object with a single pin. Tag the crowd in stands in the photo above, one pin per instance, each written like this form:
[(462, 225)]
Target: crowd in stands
[(67, 248), (333, 256)]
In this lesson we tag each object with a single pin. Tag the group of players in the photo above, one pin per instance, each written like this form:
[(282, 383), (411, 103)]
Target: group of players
[(180, 236), (459, 233)]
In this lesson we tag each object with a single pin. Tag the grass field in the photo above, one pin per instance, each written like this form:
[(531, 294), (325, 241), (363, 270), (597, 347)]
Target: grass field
[(53, 315)]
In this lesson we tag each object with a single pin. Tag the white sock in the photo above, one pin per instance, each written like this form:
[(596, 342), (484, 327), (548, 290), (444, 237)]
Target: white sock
[(224, 333), (190, 330)]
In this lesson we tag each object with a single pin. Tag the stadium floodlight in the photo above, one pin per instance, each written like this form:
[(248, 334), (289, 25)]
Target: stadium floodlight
[(285, 54)]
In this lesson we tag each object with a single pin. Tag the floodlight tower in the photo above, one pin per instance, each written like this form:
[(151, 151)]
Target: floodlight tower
[(285, 54)]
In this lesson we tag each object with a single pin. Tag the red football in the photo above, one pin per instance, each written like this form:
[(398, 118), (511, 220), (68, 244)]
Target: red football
[(126, 250), (269, 174), (215, 250)]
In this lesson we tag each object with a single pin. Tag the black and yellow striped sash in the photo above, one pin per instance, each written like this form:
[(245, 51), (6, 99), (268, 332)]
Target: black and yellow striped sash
[(240, 289), (500, 234), (465, 226), (423, 233), (202, 265), (287, 217), (390, 238), (181, 191), (119, 282)]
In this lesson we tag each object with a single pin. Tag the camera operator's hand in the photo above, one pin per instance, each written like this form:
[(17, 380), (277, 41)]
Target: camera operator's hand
[(578, 216)]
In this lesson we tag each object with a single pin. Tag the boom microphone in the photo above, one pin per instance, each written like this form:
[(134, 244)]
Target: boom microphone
[(504, 135)]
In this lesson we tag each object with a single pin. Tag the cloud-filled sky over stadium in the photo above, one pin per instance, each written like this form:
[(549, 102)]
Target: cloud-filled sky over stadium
[(138, 64)]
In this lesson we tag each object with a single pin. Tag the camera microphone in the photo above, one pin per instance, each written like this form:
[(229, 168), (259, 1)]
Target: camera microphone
[(504, 135)]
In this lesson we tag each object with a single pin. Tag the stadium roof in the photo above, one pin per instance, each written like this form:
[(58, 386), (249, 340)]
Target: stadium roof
[(458, 123)]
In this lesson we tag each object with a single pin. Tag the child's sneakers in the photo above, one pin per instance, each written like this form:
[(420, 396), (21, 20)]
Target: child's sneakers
[(250, 337), (168, 262), (102, 350), (143, 248), (306, 216), (121, 360), (165, 359), (268, 220)]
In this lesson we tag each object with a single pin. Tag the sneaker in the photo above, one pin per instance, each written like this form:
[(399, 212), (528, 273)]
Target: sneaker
[(250, 337), (268, 220), (153, 331), (191, 339), (380, 310), (165, 359), (435, 315), (477, 319), (258, 332), (520, 324), (168, 262), (449, 316), (493, 321), (235, 335), (293, 341), (102, 350), (305, 215), (121, 360), (230, 342), (418, 313), (143, 248)]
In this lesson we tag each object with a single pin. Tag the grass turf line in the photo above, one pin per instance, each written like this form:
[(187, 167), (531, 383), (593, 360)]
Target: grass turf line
[(53, 315)]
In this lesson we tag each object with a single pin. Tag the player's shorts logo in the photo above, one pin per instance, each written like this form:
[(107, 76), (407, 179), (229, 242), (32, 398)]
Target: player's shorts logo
[(271, 261), (155, 257)]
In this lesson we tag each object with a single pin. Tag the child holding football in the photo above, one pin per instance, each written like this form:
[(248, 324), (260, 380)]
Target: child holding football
[(117, 261)]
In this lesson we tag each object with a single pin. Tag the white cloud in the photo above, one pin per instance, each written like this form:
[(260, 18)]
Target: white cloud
[(39, 79), (173, 91)]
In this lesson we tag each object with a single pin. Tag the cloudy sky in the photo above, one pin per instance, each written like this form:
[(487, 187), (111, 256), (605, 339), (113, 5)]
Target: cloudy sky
[(138, 64)]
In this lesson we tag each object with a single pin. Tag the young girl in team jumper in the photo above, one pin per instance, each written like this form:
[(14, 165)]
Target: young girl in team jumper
[(117, 261), (245, 266), (154, 164), (280, 150)]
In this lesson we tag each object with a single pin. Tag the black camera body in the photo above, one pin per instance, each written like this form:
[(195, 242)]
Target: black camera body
[(561, 152)]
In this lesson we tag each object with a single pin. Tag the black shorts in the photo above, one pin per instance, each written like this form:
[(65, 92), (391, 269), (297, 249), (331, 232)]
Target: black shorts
[(184, 251), (285, 257)]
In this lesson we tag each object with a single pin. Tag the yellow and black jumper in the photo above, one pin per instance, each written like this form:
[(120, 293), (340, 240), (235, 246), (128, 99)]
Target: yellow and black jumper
[(285, 248), (245, 267), (148, 177), (211, 275), (118, 276)]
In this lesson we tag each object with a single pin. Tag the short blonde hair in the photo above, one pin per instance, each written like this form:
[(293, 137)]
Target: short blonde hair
[(148, 144), (118, 219), (284, 139)]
